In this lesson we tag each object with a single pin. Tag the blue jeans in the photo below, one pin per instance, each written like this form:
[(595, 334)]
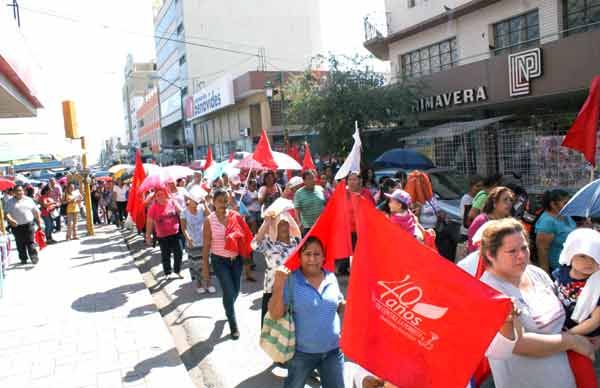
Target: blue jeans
[(48, 227), (330, 366), (229, 274)]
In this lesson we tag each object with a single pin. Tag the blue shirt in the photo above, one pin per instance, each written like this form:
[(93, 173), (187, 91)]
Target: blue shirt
[(315, 313), (560, 228)]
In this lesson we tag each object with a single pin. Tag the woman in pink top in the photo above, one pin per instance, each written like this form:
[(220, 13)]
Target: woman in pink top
[(163, 218), (498, 205), (226, 264)]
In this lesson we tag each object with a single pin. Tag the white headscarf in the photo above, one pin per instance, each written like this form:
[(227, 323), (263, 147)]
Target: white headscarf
[(581, 241)]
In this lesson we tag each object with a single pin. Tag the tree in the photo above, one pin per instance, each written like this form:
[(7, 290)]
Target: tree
[(349, 91)]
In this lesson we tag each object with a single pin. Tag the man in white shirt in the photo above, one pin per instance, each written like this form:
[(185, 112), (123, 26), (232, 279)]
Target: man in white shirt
[(21, 213)]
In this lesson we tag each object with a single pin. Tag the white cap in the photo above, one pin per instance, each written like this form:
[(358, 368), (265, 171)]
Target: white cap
[(581, 241), (294, 182)]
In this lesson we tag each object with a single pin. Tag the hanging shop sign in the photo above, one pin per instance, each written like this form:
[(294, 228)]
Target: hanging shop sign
[(451, 99), (522, 68), (216, 95)]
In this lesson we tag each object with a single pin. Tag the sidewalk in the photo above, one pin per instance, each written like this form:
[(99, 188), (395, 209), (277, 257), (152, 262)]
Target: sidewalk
[(221, 362), (83, 318)]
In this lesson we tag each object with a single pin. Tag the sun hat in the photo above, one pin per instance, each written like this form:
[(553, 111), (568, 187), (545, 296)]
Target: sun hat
[(582, 241), (295, 182), (400, 196)]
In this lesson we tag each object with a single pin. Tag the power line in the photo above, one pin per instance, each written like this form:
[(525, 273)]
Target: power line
[(154, 36)]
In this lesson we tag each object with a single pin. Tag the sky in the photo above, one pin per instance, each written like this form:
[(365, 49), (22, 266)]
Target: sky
[(81, 49)]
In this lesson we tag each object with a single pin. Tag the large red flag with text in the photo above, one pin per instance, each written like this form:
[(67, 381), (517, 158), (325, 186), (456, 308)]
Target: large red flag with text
[(413, 318), (582, 136), (263, 153), (332, 228), (135, 200)]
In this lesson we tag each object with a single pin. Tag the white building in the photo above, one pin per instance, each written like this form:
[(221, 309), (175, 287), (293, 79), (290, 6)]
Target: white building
[(200, 41)]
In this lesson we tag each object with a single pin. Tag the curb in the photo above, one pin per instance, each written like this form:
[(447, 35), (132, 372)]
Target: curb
[(142, 258)]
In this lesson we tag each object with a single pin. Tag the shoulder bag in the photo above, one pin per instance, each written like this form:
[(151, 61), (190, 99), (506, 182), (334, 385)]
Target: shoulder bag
[(278, 337)]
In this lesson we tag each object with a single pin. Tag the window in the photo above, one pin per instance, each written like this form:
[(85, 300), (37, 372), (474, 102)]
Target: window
[(411, 3), (430, 59), (517, 33), (581, 15)]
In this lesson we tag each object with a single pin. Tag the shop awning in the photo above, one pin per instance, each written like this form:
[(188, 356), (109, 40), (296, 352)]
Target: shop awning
[(455, 128)]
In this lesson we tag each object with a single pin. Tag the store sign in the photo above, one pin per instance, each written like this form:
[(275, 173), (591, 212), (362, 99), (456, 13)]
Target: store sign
[(522, 68), (451, 99), (216, 95)]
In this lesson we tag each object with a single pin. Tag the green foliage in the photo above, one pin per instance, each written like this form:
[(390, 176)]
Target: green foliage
[(350, 91)]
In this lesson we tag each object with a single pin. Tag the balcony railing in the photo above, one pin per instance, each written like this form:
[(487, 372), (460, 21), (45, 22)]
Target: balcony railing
[(371, 30)]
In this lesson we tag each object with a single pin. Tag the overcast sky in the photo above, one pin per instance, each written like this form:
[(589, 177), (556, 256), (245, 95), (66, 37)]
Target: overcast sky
[(82, 50)]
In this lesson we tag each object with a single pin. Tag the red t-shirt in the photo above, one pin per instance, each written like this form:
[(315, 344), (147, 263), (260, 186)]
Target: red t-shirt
[(166, 218)]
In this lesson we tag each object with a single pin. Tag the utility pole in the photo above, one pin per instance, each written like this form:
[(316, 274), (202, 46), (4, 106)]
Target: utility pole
[(285, 130), (71, 132)]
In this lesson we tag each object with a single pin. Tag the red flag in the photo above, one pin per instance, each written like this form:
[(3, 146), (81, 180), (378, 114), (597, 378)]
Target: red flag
[(209, 159), (263, 153), (413, 318), (135, 199), (295, 153), (582, 135), (308, 163), (332, 228)]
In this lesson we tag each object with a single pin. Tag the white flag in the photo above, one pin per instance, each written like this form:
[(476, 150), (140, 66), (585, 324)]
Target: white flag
[(352, 162)]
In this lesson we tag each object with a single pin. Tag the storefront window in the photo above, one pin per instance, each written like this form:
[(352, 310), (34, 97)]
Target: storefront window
[(430, 59), (517, 33), (581, 15)]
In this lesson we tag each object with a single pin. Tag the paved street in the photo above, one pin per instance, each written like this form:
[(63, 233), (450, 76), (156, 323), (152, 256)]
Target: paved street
[(83, 318)]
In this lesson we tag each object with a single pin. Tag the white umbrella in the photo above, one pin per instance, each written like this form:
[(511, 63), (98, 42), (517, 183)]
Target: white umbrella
[(283, 162), (178, 172), (151, 169)]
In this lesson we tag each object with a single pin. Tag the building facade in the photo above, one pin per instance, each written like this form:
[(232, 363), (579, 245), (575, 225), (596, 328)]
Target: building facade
[(19, 96), (199, 42), (139, 83), (148, 124), (503, 81)]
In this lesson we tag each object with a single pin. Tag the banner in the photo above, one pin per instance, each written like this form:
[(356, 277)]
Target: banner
[(413, 318)]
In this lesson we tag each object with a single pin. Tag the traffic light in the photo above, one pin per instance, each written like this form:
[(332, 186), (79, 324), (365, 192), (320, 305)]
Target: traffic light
[(70, 119)]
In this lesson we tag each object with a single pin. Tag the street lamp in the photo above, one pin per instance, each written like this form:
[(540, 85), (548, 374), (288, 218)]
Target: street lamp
[(182, 108)]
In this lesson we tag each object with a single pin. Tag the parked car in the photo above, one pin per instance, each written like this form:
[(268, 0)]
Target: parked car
[(448, 187)]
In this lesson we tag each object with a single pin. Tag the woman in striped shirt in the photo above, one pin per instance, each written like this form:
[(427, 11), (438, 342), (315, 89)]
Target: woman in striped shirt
[(226, 264)]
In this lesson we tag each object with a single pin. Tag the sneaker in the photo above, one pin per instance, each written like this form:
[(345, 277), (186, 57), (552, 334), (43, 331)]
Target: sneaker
[(211, 290), (235, 335), (168, 275), (178, 275), (34, 259), (200, 290)]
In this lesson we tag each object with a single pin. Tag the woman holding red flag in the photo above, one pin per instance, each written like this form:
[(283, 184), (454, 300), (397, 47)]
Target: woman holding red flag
[(316, 300), (538, 357), (227, 239)]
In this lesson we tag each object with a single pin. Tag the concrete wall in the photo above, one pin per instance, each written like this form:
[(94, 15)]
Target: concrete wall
[(473, 31)]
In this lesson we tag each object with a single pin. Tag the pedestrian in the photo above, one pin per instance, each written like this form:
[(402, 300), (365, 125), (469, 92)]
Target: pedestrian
[(250, 200), (479, 200), (227, 238), (369, 182), (120, 199), (399, 203), (96, 197), (552, 229), (578, 282), (192, 226), (48, 207), (316, 302), (72, 198), (475, 186), (56, 194), (269, 192), (532, 336), (498, 205), (387, 186), (309, 201), (197, 180), (163, 218), (355, 186), (21, 213), (276, 239), (110, 206)]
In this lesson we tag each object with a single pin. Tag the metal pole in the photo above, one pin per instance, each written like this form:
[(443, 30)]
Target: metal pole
[(285, 131), (86, 193)]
